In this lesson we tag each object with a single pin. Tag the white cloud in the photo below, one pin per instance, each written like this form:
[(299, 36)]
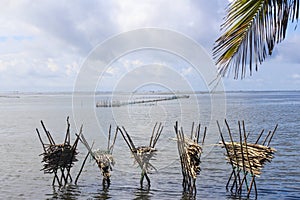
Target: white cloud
[(51, 65), (33, 32), (187, 71), (296, 76), (44, 42), (197, 19), (72, 68), (3, 66)]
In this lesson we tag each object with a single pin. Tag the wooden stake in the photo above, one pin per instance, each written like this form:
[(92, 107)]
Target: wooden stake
[(272, 135), (108, 140), (41, 140), (227, 151), (77, 177), (262, 131), (113, 144)]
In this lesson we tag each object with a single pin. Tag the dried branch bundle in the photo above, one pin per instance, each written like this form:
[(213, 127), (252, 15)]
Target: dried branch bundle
[(143, 154), (190, 152), (103, 158), (59, 157), (248, 158), (258, 155)]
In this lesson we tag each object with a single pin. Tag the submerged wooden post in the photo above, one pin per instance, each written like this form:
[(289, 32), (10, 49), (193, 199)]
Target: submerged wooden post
[(248, 158), (189, 153)]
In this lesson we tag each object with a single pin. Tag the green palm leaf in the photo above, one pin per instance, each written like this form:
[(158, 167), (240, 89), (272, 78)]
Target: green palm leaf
[(251, 30)]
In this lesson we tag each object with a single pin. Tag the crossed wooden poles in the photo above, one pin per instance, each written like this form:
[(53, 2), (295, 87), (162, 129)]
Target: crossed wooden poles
[(103, 158), (247, 159), (59, 157), (190, 152), (143, 154)]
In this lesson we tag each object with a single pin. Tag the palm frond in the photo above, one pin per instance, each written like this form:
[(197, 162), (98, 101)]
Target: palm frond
[(251, 30)]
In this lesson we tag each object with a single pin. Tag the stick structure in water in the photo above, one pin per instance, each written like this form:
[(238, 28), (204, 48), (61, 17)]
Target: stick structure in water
[(143, 154), (247, 159), (59, 158), (103, 158), (190, 152)]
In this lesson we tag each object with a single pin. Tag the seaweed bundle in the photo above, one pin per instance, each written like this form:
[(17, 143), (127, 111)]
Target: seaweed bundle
[(143, 154), (59, 157), (103, 158), (190, 152), (245, 157)]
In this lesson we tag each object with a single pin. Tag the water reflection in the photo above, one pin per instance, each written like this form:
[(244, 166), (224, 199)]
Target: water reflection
[(188, 196), (103, 194), (66, 192), (232, 196), (280, 179), (142, 193)]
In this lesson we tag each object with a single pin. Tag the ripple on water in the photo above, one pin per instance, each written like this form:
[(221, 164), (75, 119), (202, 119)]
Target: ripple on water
[(21, 178)]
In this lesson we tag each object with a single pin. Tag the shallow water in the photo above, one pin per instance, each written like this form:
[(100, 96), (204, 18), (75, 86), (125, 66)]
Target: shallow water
[(21, 178)]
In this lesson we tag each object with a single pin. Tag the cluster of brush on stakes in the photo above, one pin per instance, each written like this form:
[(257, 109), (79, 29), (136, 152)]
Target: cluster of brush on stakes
[(190, 152), (143, 154), (103, 158), (247, 159), (59, 158)]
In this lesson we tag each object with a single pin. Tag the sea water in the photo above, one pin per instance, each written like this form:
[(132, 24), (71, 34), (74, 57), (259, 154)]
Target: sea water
[(21, 178)]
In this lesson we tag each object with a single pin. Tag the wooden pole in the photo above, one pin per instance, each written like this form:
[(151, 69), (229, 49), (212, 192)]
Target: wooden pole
[(192, 131), (67, 138), (114, 140), (152, 135), (204, 135), (158, 133), (249, 163), (269, 133), (261, 133), (51, 141), (227, 151), (243, 159), (272, 134), (108, 140), (237, 177), (87, 155), (41, 140)]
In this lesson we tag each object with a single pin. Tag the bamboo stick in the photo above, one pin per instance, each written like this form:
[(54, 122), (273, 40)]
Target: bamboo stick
[(151, 139), (192, 131), (51, 141), (41, 139), (272, 134), (265, 140), (158, 133), (227, 151), (114, 140), (81, 168), (189, 152)]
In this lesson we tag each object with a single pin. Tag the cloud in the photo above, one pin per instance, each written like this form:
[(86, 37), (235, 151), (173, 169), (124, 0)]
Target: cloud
[(44, 43), (51, 65), (197, 19), (151, 75), (296, 76), (286, 52), (187, 71)]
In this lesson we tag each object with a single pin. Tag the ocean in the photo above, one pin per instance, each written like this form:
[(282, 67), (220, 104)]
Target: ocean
[(21, 176)]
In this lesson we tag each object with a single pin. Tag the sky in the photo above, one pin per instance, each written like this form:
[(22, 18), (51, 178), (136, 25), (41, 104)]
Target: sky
[(44, 44)]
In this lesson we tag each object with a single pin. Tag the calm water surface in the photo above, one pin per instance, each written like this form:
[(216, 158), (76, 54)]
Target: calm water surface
[(21, 178)]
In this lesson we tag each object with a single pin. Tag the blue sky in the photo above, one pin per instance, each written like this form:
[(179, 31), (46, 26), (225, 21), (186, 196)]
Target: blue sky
[(43, 44)]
